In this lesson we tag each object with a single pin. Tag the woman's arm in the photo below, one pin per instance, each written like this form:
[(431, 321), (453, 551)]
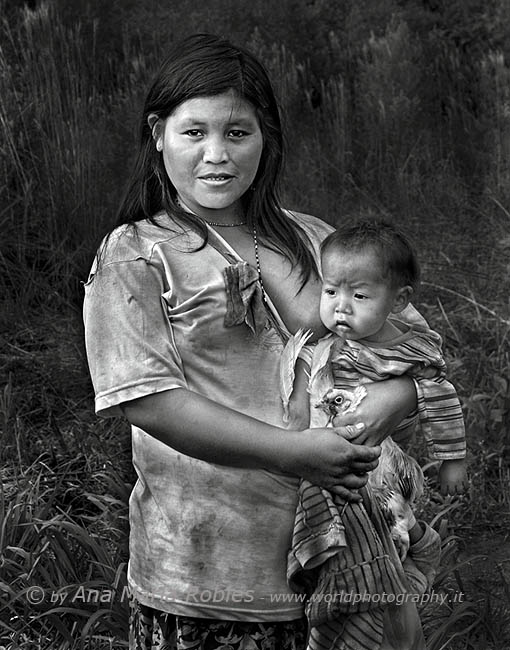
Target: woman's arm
[(199, 427), (387, 403)]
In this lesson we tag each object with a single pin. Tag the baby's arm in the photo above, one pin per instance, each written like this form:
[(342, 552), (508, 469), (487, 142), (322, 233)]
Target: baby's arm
[(299, 402), (440, 415), (443, 427)]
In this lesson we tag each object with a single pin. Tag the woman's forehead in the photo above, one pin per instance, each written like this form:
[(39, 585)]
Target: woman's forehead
[(228, 106)]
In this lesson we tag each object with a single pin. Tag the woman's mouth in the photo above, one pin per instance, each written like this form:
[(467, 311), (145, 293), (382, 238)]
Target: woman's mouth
[(216, 178)]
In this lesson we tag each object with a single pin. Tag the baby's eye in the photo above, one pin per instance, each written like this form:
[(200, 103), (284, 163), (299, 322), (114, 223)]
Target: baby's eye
[(329, 292), (360, 296)]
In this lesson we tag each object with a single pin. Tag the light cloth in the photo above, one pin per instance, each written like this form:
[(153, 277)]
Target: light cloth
[(206, 540)]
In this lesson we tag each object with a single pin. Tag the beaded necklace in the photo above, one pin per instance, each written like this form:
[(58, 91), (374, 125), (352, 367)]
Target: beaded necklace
[(225, 225), (255, 243), (257, 259)]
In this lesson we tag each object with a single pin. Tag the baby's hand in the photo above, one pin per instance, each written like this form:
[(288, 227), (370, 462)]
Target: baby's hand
[(453, 477)]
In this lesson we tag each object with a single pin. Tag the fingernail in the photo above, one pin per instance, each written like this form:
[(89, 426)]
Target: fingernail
[(360, 426)]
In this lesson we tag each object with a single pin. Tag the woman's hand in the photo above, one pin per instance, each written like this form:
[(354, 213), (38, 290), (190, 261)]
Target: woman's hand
[(386, 404), (327, 458)]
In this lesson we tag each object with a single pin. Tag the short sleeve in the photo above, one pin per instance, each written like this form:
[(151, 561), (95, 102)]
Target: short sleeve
[(128, 335)]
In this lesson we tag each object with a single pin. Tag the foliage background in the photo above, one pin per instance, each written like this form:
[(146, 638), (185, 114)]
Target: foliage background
[(395, 107)]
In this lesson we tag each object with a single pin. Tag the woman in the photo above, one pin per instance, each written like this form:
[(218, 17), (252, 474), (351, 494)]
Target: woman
[(187, 310)]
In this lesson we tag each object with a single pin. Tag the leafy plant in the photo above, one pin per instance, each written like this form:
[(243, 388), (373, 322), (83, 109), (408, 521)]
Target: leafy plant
[(62, 578)]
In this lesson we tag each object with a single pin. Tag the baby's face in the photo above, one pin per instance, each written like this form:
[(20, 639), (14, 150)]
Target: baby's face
[(356, 299)]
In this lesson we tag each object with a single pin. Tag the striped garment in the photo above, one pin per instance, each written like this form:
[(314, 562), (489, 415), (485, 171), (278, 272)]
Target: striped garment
[(416, 353), (340, 549), (343, 558)]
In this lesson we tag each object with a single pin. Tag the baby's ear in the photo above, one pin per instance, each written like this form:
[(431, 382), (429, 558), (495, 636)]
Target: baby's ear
[(402, 299)]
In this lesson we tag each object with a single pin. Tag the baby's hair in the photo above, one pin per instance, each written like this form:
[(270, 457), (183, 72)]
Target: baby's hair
[(394, 250)]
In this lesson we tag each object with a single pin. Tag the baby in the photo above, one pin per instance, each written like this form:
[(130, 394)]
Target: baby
[(370, 272)]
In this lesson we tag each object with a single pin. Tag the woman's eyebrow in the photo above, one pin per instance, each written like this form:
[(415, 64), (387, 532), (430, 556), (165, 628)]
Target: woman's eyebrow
[(242, 119), (200, 121), (193, 120)]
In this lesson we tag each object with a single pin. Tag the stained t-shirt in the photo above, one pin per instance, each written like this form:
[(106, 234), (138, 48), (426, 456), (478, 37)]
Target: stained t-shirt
[(205, 540)]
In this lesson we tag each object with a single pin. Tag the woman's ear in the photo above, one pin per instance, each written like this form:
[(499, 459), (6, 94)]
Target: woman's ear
[(402, 299), (156, 127), (152, 121)]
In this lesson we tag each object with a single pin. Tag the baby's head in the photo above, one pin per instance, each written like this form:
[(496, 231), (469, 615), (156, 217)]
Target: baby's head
[(369, 271)]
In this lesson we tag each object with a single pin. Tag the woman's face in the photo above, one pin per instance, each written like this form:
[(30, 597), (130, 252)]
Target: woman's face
[(211, 151)]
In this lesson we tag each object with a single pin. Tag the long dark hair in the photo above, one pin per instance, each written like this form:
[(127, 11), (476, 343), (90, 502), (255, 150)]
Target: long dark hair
[(206, 65)]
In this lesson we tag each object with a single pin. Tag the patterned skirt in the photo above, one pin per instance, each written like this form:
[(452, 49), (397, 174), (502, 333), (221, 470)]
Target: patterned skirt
[(151, 629)]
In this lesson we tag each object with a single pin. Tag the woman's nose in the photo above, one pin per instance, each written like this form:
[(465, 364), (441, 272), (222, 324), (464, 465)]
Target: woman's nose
[(215, 150)]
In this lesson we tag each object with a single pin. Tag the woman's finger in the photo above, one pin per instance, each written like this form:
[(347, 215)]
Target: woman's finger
[(354, 480), (364, 466), (353, 430), (345, 493)]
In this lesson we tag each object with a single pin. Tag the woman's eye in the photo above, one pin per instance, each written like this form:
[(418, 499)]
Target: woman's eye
[(194, 133), (237, 133)]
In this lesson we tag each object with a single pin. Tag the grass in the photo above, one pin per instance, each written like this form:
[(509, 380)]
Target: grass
[(360, 141), (61, 574)]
